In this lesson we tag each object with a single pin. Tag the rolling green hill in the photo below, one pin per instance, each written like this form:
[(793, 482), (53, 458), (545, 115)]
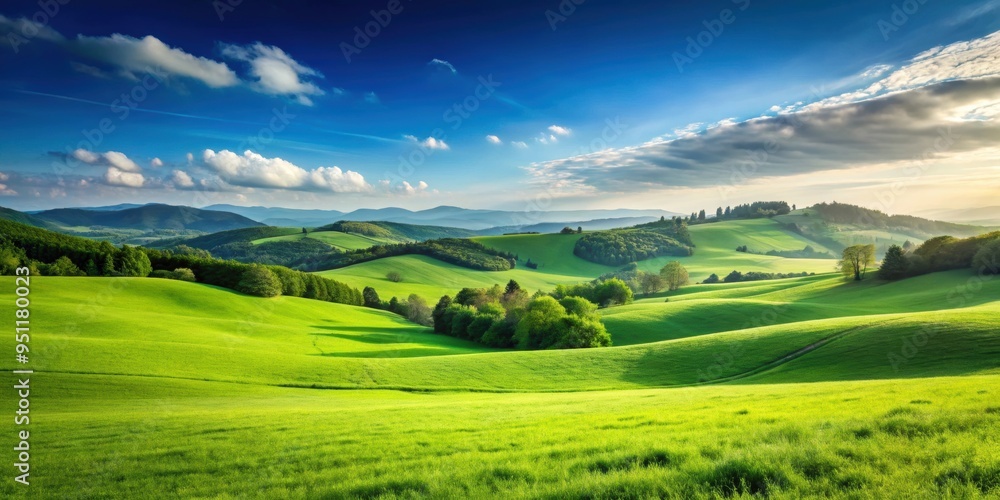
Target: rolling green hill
[(290, 341), (336, 239)]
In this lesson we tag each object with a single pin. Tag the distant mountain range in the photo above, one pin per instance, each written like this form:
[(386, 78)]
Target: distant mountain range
[(145, 217), (441, 216), (986, 216)]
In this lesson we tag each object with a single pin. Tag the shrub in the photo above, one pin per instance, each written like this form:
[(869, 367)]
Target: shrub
[(394, 276)]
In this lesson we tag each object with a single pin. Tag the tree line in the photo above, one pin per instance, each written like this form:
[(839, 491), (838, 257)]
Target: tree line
[(755, 210), (51, 253), (458, 251), (943, 253)]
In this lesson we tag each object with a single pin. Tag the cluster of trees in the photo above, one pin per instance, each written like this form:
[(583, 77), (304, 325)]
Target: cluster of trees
[(180, 274), (755, 210), (414, 308), (736, 276), (604, 293), (509, 317), (458, 251), (621, 246), (569, 230), (53, 254), (807, 252), (943, 253), (671, 276)]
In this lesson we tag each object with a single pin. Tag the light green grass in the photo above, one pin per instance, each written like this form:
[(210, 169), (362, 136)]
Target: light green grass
[(336, 239), (134, 437), (431, 278), (703, 309)]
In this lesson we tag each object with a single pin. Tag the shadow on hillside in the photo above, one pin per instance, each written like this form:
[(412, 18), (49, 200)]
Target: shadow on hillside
[(371, 338), (357, 329), (389, 353)]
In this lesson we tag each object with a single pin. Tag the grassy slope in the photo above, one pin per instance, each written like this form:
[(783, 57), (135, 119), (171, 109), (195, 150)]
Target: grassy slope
[(336, 239), (716, 308), (431, 278)]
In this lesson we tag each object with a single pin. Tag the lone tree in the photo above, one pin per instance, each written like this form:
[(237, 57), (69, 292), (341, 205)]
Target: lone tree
[(567, 230), (371, 298), (894, 265), (652, 283), (674, 275), (394, 276), (856, 260), (259, 281)]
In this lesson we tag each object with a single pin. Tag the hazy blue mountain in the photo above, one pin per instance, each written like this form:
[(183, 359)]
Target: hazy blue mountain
[(149, 217)]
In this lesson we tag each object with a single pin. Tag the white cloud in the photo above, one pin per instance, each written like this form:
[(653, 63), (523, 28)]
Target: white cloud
[(494, 139), (253, 170), (519, 144), (4, 190), (149, 54), (121, 162), (111, 159), (337, 180), (556, 129), (275, 72), (550, 139), (156, 163), (116, 177), (190, 157), (181, 178), (442, 65), (404, 188), (372, 98), (429, 143)]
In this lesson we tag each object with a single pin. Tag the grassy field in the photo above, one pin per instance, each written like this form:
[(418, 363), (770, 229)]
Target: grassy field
[(336, 239), (167, 438), (811, 387)]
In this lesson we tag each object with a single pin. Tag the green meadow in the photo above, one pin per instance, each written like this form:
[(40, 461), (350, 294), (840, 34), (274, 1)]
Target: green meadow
[(811, 387)]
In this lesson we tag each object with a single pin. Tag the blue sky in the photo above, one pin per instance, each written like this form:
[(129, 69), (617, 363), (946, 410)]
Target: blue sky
[(516, 105)]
